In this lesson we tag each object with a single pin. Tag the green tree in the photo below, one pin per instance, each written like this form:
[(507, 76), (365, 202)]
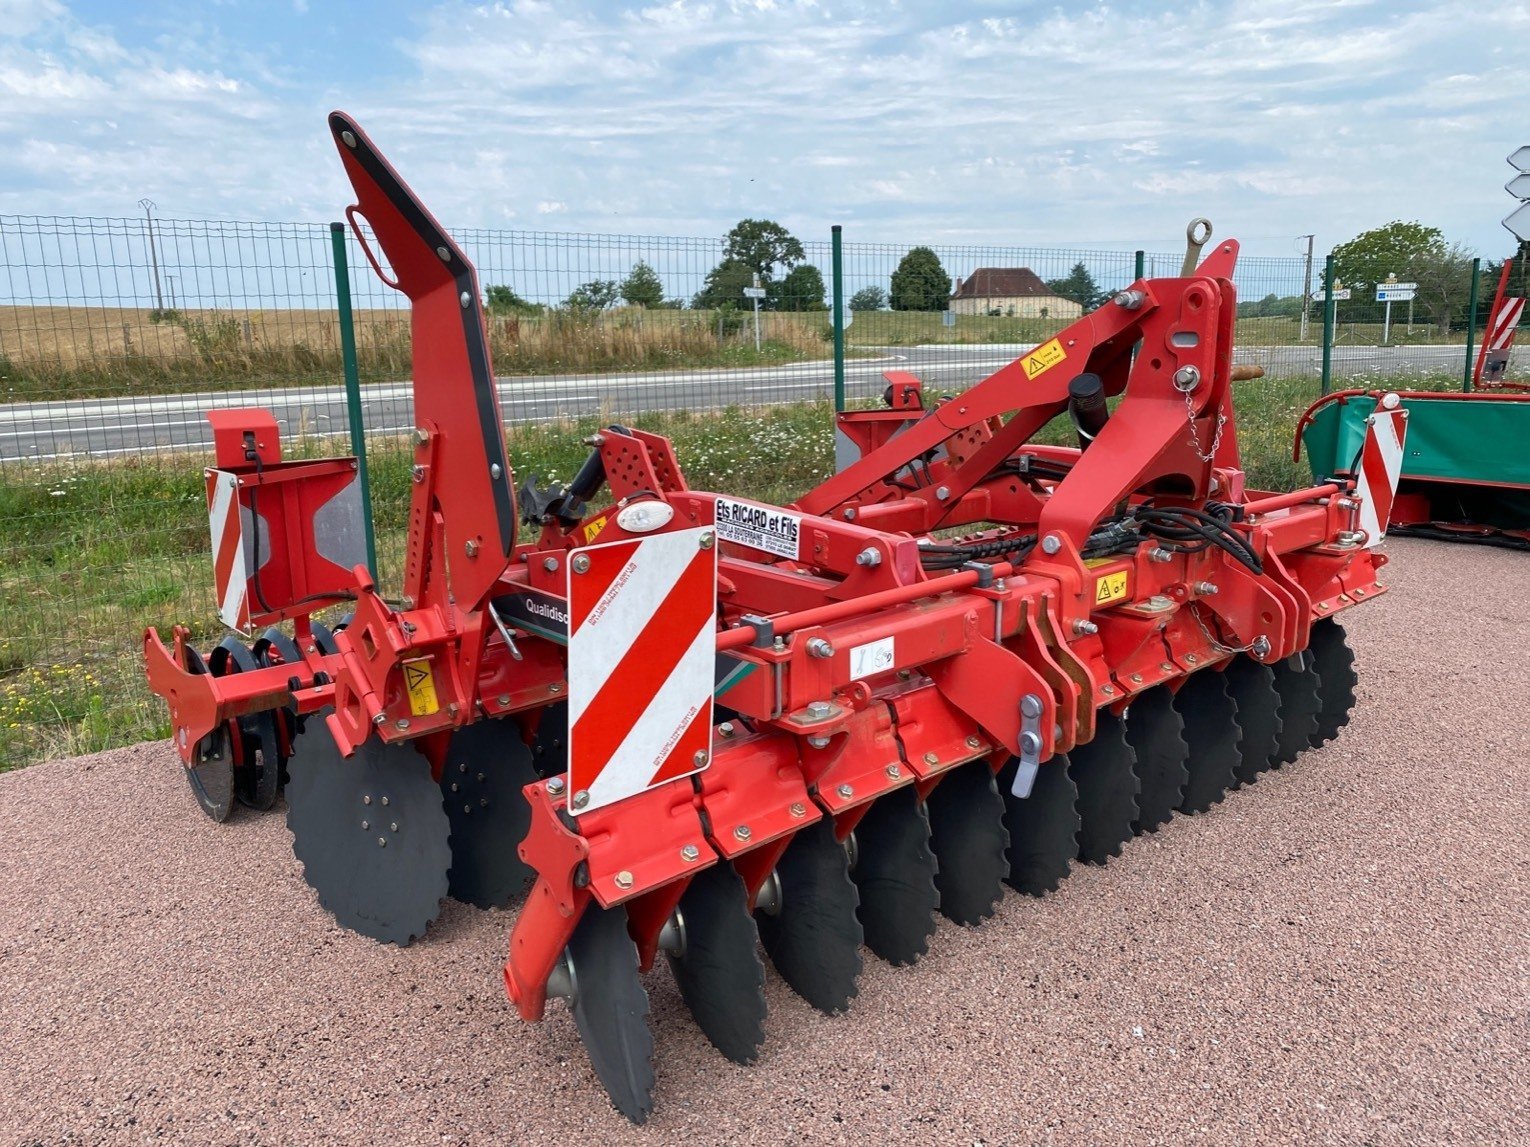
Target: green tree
[(724, 286), (920, 283), (800, 290), (761, 244), (868, 299), (1415, 254), (1078, 285), (596, 295), (642, 287), (502, 300)]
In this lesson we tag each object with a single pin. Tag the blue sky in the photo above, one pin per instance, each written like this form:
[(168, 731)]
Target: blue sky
[(972, 122)]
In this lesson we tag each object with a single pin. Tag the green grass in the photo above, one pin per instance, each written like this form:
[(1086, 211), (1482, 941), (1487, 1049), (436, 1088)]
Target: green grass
[(92, 553)]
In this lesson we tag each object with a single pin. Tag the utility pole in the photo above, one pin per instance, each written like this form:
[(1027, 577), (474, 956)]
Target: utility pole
[(1306, 287), (148, 214)]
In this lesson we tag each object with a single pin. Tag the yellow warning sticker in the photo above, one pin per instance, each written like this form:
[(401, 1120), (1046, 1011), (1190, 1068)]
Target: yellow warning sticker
[(421, 687), (1043, 358), (594, 528), (1111, 587)]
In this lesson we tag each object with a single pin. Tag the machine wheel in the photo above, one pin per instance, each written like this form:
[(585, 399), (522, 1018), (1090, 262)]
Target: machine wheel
[(487, 766), (1212, 733), (1334, 663), (807, 919), (610, 1009), (895, 875), (1043, 827), (1156, 733), (1104, 770), (970, 842), (718, 969), (371, 833)]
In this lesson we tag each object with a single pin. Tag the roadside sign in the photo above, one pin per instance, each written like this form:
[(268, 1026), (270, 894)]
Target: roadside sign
[(1518, 222), (948, 318), (1519, 186), (1520, 160), (1338, 296), (754, 292), (1401, 293)]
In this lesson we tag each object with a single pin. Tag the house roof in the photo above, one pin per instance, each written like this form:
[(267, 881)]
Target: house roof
[(1003, 283)]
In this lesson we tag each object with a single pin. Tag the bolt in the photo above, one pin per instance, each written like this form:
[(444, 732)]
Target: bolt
[(932, 758), (366, 825), (1165, 667), (465, 299), (870, 556), (348, 138), (742, 832), (407, 602), (1204, 588), (845, 791), (1129, 300), (555, 786), (467, 810), (818, 742), (1030, 743), (1261, 647), (421, 436), (707, 540), (1159, 554), (1030, 706), (1000, 586), (581, 563), (379, 719), (1108, 690), (418, 474), (1191, 658), (555, 687), (446, 256), (366, 798), (1186, 379), (797, 809), (1085, 628), (943, 492), (1346, 503), (973, 742), (393, 826), (850, 513), (402, 723), (690, 852), (819, 710), (624, 879), (382, 842), (1136, 679), (581, 798), (494, 470), (894, 771), (820, 648), (1051, 544), (386, 802), (549, 564), (778, 645), (471, 549), (1359, 593), (701, 757)]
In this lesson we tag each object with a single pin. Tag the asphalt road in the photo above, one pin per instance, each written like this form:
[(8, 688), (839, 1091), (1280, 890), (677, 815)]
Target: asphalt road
[(78, 428)]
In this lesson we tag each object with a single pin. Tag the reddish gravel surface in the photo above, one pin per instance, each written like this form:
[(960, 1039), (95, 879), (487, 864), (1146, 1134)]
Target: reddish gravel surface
[(1337, 954)]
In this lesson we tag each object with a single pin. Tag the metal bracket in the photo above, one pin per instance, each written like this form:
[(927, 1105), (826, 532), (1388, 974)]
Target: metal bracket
[(1031, 709), (984, 572), (764, 630)]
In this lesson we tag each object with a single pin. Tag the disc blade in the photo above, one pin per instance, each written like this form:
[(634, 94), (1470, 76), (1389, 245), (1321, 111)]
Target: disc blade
[(371, 833), (549, 747), (260, 780), (970, 842), (814, 937), (1334, 663), (894, 873), (1043, 827), (1252, 688), (211, 775), (720, 974), (487, 766), (1212, 733), (1104, 770), (1156, 733), (611, 1009), (1300, 703)]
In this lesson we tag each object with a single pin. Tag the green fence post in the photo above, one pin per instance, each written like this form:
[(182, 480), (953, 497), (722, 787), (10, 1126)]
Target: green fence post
[(1471, 327), (838, 275), (353, 386), (1141, 264), (1329, 303)]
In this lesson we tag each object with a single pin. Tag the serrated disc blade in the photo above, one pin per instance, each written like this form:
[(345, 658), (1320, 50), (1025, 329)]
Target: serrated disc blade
[(1211, 732), (1156, 733), (549, 747), (211, 776), (720, 974), (487, 765), (1334, 663), (1252, 688), (814, 937), (260, 780), (371, 833), (970, 842), (1104, 770), (1300, 704), (1043, 827), (611, 1009), (895, 875)]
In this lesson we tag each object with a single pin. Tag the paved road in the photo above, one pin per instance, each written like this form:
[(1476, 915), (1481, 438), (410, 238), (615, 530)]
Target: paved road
[(113, 427)]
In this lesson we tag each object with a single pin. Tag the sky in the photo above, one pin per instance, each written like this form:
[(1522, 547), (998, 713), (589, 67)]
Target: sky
[(1107, 125)]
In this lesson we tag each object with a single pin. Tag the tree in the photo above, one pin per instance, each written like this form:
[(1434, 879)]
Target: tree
[(800, 290), (502, 300), (920, 283), (596, 295), (642, 287), (868, 299), (1415, 254), (724, 286), (760, 244), (1079, 285)]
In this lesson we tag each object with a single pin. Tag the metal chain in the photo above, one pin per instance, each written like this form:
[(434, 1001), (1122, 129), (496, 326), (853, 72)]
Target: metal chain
[(1195, 438), (1216, 643)]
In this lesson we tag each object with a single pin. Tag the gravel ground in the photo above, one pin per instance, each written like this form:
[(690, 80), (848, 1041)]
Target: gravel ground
[(1337, 954)]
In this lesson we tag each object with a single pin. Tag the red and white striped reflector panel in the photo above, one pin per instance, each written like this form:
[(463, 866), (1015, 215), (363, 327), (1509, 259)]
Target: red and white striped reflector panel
[(226, 518), (1503, 325), (1381, 459), (642, 651)]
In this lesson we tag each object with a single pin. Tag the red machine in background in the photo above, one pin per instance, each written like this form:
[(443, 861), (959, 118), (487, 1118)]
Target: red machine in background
[(699, 726)]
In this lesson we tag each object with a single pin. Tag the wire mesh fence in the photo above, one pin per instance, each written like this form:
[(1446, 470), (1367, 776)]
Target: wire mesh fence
[(117, 335)]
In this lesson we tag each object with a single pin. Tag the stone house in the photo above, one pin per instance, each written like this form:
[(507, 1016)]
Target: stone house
[(1016, 292)]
